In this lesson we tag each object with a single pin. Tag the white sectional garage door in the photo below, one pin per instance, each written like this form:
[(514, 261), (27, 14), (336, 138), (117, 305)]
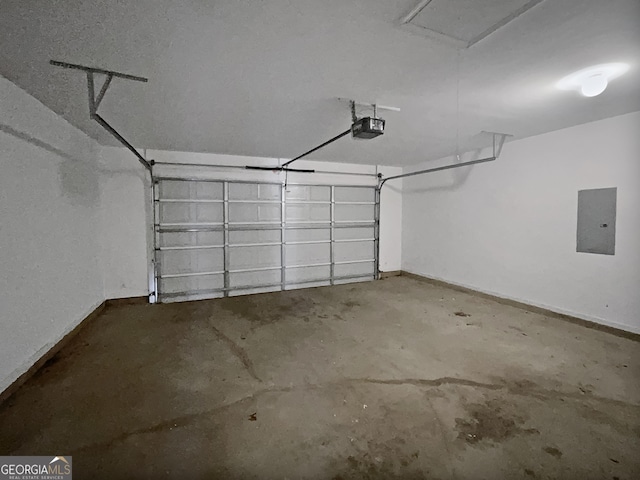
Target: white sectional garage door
[(219, 238)]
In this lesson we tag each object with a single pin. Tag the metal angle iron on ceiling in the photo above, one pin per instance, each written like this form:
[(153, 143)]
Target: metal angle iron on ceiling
[(94, 101), (497, 144)]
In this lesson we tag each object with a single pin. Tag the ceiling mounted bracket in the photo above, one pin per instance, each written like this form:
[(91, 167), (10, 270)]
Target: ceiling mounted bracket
[(353, 105), (354, 117), (94, 101), (498, 141)]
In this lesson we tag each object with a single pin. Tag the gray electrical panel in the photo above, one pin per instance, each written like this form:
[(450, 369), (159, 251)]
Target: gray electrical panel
[(597, 221)]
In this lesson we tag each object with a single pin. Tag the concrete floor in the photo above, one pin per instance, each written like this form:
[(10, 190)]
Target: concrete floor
[(374, 380)]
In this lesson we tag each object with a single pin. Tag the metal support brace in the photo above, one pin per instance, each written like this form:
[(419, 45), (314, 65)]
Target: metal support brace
[(498, 143), (103, 90), (337, 137), (94, 102)]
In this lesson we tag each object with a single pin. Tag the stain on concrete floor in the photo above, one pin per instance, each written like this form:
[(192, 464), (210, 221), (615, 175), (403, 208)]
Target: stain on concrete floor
[(489, 422), (554, 452), (374, 380)]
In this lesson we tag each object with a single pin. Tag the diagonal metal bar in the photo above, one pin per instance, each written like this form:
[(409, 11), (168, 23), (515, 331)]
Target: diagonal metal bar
[(503, 137), (103, 90), (346, 132), (92, 95), (438, 169), (145, 163), (498, 141)]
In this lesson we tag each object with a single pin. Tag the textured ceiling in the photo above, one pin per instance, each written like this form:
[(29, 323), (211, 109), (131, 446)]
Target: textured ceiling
[(263, 77)]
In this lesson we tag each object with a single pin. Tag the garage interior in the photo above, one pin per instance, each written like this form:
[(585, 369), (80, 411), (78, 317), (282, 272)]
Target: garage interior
[(357, 239)]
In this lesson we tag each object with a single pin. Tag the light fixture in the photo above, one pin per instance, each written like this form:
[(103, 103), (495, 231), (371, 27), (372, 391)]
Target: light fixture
[(592, 81), (594, 85)]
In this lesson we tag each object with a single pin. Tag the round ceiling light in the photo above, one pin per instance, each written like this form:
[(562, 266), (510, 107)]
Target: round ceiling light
[(592, 81)]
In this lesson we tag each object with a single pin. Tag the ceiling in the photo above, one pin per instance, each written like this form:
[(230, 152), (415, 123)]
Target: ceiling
[(263, 78)]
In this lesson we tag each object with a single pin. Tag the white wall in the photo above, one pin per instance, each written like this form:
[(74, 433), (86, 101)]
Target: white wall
[(126, 198), (125, 235), (50, 272), (391, 221), (509, 227)]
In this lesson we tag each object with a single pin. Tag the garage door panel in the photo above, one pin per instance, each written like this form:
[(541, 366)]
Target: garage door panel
[(186, 189), (306, 193), (253, 291), (297, 286), (255, 191), (307, 254), (344, 252), (182, 213), (310, 212), (352, 279), (294, 275), (354, 233), (190, 239), (354, 269), (307, 235), (254, 257), (249, 279), (254, 236), (191, 284), (355, 194), (354, 213), (192, 296), (254, 212), (173, 262)]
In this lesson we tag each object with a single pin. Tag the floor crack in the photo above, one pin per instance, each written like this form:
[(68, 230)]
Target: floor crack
[(239, 352), (184, 420), (436, 382)]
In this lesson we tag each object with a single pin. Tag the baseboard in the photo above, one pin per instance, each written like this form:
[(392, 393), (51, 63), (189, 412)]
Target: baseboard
[(118, 302), (11, 389), (394, 273), (609, 327)]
